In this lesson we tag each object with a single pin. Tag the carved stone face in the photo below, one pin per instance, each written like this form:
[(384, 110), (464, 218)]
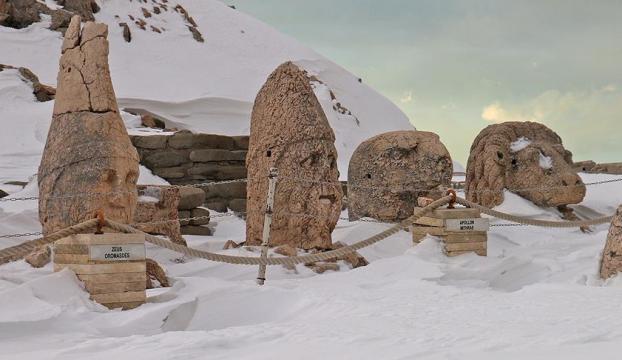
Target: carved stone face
[(543, 165), (313, 164), (390, 171)]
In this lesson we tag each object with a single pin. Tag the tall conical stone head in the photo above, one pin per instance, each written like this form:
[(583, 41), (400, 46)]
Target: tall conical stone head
[(88, 162), (290, 132)]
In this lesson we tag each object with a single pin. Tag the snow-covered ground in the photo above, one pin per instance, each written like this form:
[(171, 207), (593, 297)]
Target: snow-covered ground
[(537, 295)]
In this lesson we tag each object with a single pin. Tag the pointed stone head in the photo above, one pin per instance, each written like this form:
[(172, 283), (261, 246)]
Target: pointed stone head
[(290, 132), (88, 162), (388, 172)]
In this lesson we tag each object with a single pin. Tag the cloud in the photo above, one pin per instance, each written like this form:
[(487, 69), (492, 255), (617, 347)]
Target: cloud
[(496, 113), (408, 97)]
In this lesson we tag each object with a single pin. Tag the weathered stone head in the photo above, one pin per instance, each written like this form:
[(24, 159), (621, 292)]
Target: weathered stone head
[(290, 132), (88, 150), (388, 172), (518, 156)]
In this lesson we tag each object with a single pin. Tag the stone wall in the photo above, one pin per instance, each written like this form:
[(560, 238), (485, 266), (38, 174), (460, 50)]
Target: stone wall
[(186, 158)]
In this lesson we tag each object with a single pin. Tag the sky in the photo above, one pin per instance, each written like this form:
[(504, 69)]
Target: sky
[(456, 66)]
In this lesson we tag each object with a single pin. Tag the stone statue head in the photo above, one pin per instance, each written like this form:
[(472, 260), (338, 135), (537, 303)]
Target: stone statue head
[(88, 163), (290, 132), (388, 172), (526, 158)]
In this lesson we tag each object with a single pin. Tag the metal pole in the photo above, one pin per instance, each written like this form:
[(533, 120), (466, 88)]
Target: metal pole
[(267, 223)]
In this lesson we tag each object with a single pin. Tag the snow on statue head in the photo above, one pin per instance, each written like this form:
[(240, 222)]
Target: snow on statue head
[(290, 132), (388, 172), (88, 151), (521, 155)]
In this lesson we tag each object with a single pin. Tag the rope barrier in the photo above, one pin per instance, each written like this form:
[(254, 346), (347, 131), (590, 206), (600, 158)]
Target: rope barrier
[(17, 252), (534, 222), (293, 260)]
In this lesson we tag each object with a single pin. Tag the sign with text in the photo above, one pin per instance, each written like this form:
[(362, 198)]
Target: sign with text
[(124, 252), (473, 224)]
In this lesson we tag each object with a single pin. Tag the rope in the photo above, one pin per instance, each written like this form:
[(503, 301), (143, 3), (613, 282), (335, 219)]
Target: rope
[(18, 252), (245, 260), (534, 222)]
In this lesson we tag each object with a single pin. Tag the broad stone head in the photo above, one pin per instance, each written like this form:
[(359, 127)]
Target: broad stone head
[(526, 158), (88, 162), (290, 132), (388, 172)]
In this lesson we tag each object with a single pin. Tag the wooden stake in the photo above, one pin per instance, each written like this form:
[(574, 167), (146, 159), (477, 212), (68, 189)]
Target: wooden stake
[(267, 223)]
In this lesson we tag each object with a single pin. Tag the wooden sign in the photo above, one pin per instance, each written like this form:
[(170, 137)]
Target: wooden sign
[(470, 224), (111, 266), (117, 252)]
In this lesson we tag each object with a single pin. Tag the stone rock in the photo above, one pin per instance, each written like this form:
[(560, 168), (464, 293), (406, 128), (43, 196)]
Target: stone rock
[(521, 155), (607, 168), (84, 8), (217, 205), (181, 140), (286, 250), (175, 172), (162, 159), (42, 92), (198, 212), (388, 172), (289, 131), (227, 191), (190, 198), (127, 34), (156, 273), (584, 166), (196, 34), (164, 209), (241, 142), (196, 230), (88, 150), (3, 194), (39, 257), (354, 258), (611, 262), (238, 205), (230, 244), (150, 142), (213, 141), (207, 155), (322, 267)]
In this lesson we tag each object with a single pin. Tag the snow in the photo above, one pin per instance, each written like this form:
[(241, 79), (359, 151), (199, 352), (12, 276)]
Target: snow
[(521, 143), (536, 295), (545, 161)]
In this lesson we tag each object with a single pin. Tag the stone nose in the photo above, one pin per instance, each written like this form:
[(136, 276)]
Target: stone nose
[(571, 180)]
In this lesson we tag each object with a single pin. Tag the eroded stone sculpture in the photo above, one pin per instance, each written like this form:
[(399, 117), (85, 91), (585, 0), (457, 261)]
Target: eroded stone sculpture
[(88, 162), (526, 158), (611, 262), (290, 132), (388, 172), (156, 212)]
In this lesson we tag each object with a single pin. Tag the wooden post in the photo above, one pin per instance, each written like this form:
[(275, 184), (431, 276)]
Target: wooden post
[(461, 230), (267, 223)]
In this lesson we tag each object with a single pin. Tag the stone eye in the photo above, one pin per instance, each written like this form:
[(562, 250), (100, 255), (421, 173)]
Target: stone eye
[(500, 155)]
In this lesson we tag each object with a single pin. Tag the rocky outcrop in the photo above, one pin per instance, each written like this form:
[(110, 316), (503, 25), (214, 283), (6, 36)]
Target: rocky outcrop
[(388, 172), (611, 262), (40, 91), (290, 132), (592, 167), (518, 156), (22, 13), (88, 151), (187, 158)]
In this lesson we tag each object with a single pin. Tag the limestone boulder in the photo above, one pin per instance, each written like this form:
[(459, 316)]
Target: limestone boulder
[(190, 198), (526, 158), (611, 262), (388, 172), (88, 162), (290, 132)]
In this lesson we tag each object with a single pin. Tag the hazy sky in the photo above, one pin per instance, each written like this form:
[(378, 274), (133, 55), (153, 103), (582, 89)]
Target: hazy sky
[(456, 66)]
